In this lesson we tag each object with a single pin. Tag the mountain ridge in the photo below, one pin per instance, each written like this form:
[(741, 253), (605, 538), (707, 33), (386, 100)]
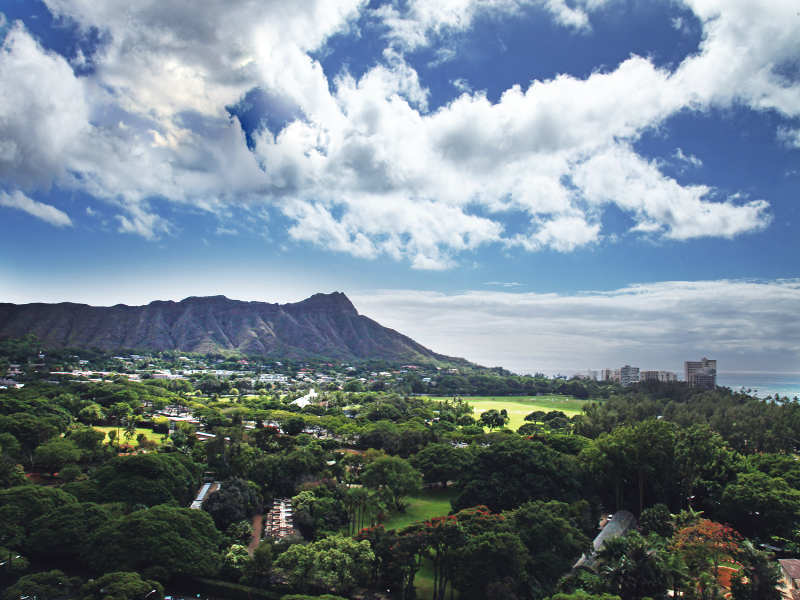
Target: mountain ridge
[(323, 325)]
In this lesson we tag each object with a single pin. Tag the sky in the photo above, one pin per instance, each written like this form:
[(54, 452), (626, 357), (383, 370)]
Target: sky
[(545, 185)]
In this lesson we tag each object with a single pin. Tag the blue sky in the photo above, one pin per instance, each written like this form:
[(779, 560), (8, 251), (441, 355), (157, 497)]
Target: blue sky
[(543, 184)]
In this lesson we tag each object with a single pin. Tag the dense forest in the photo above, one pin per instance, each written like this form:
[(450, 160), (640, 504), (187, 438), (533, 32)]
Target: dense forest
[(95, 485)]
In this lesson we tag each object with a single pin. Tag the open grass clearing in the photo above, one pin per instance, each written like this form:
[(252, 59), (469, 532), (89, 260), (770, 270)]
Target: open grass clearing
[(148, 433), (429, 503), (423, 580), (520, 406)]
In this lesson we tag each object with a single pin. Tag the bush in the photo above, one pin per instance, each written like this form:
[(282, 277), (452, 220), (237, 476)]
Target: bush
[(70, 472)]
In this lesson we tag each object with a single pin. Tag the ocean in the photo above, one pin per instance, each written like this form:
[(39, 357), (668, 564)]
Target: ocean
[(762, 384)]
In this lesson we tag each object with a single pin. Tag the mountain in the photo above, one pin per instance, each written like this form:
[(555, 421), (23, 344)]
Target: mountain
[(324, 325)]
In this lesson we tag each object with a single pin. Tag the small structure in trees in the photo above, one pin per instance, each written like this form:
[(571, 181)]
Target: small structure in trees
[(619, 524)]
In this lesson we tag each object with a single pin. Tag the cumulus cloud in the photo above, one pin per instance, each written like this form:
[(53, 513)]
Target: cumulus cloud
[(658, 203), (746, 325), (40, 210), (363, 166), (43, 111)]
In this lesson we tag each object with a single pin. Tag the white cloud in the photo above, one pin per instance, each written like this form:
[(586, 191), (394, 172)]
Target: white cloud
[(745, 44), (659, 203), (505, 284), (789, 137), (368, 168), (689, 159), (226, 231), (462, 85), (40, 210), (746, 325), (140, 221), (420, 22), (43, 112), (563, 233)]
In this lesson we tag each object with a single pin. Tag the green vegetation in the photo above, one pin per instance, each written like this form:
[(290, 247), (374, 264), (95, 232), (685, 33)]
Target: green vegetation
[(426, 505), (518, 407), (133, 441), (505, 515)]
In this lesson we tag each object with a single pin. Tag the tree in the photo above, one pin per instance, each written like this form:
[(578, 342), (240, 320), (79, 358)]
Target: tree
[(258, 570), (705, 464), (21, 505), (535, 416), (641, 453), (294, 425), (552, 535), (336, 564), (493, 418), (508, 471), (29, 430), (148, 479), (236, 561), (91, 414), (759, 577), (56, 453), (49, 585), (440, 463), (122, 585), (119, 412), (11, 474), (704, 545), (656, 519), (761, 505), (234, 501), (130, 428), (398, 557), (362, 506), (633, 568), (159, 542), (87, 438), (393, 476), (493, 559), (442, 537), (64, 533)]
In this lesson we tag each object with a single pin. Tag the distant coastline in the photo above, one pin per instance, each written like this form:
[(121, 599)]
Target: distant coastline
[(762, 384)]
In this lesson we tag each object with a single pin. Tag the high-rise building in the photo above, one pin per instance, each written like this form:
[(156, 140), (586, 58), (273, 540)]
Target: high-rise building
[(648, 376), (609, 375), (628, 375), (667, 376), (701, 373), (662, 376)]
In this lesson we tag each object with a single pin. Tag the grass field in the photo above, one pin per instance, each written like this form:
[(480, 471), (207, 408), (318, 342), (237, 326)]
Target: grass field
[(147, 432), (423, 581), (519, 406), (428, 504)]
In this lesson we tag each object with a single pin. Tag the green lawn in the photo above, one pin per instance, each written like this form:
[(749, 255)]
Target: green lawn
[(428, 504), (157, 437), (423, 581), (520, 406)]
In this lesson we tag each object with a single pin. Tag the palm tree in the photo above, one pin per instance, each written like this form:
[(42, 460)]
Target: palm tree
[(634, 567), (759, 576)]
